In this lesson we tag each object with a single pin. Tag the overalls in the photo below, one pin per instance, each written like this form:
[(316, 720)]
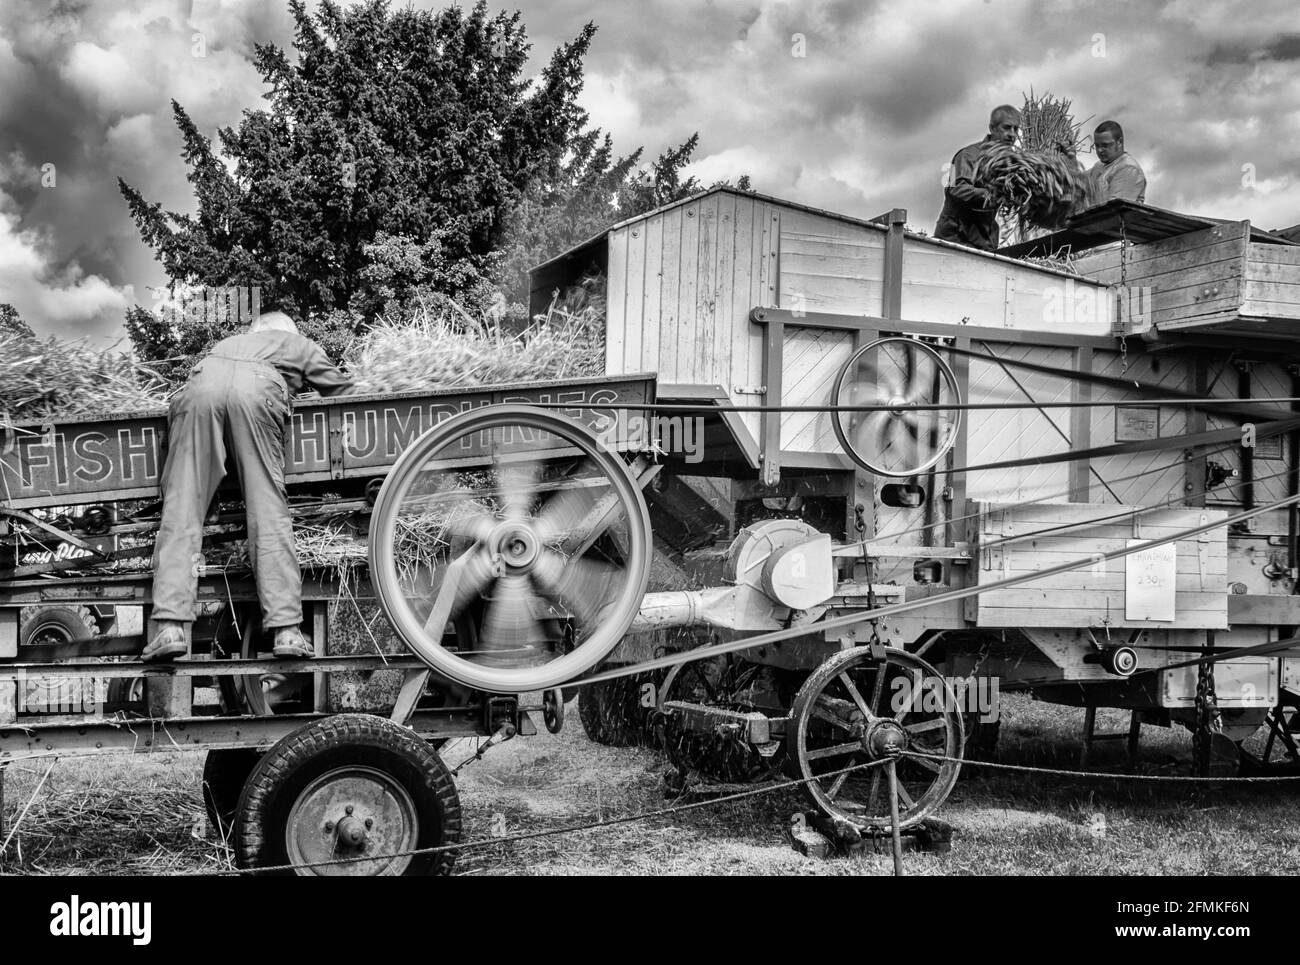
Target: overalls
[(236, 407)]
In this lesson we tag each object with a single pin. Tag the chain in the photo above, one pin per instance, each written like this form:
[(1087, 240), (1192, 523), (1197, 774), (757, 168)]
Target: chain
[(1123, 296), (1208, 719), (868, 564)]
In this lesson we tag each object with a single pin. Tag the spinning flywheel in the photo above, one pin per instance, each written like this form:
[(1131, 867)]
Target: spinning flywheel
[(917, 412), (510, 548)]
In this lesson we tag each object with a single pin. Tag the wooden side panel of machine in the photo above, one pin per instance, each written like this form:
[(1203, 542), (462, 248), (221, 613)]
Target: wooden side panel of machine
[(1148, 477), (681, 285), (1015, 540), (996, 435)]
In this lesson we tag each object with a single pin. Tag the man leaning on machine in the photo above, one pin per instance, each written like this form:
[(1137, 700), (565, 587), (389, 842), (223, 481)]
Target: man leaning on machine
[(235, 407)]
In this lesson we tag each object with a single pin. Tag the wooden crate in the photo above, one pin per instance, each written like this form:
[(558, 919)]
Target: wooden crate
[(1093, 596), (1215, 280)]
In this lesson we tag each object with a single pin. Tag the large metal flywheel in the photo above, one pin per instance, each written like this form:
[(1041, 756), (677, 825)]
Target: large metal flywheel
[(517, 529)]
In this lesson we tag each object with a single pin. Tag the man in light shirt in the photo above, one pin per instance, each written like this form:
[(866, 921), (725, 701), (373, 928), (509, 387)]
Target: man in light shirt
[(1116, 174)]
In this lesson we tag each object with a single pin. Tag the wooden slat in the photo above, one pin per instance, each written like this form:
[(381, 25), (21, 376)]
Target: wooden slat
[(688, 282), (746, 337), (1273, 254), (634, 299), (726, 319), (993, 617), (616, 300), (670, 332), (652, 306), (707, 366)]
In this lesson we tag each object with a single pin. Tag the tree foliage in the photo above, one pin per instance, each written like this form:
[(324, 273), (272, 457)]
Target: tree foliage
[(11, 323), (402, 152)]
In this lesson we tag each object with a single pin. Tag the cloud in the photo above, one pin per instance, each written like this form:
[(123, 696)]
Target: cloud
[(65, 298), (884, 92)]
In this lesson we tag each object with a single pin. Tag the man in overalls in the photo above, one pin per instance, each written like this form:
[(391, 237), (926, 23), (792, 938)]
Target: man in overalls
[(236, 403)]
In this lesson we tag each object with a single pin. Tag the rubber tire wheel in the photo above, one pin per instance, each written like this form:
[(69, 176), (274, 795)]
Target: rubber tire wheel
[(340, 741), (611, 711), (67, 623), (225, 771)]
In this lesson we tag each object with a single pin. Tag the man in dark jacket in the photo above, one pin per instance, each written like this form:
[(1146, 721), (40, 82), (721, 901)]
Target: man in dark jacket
[(968, 216), (236, 403)]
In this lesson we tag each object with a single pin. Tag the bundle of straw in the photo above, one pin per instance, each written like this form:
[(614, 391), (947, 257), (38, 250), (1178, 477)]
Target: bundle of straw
[(445, 347), (1044, 183), (56, 379), (1039, 188)]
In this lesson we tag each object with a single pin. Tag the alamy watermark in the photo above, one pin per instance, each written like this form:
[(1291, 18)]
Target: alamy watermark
[(213, 306), (58, 696), (938, 695), (630, 430)]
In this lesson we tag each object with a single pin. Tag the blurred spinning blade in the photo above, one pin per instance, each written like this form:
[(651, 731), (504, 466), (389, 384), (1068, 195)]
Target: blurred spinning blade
[(876, 387), (867, 434), (518, 481), (586, 588), (509, 629), (567, 514), (470, 520), (920, 385)]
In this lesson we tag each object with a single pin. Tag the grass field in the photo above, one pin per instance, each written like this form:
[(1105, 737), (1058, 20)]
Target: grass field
[(123, 815)]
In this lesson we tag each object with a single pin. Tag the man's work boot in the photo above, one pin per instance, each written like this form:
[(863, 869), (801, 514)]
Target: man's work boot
[(168, 642), (290, 644)]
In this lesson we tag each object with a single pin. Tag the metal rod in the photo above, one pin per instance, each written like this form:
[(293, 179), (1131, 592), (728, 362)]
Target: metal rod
[(928, 406), (893, 817)]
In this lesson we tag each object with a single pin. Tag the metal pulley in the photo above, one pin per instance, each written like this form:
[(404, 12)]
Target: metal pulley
[(521, 531), (917, 414)]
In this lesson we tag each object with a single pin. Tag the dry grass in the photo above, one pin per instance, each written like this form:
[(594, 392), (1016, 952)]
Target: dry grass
[(95, 815), (441, 347), (41, 380)]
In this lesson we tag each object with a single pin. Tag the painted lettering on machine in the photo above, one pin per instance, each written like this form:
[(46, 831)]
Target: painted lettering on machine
[(82, 461)]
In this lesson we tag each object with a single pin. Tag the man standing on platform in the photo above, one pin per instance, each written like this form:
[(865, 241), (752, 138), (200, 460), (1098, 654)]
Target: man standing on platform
[(969, 216)]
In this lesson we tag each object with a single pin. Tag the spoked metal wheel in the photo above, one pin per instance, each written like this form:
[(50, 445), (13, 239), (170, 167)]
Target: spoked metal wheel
[(520, 525), (855, 709), (900, 374)]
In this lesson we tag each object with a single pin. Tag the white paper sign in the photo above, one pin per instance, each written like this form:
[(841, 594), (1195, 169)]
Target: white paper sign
[(1150, 581)]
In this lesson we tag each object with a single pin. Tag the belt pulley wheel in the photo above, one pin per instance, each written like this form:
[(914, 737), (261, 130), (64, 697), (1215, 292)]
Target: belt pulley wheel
[(856, 708), (899, 439), (510, 522)]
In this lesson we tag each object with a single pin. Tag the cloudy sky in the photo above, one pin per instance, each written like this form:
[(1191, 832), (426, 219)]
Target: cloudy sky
[(851, 105)]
